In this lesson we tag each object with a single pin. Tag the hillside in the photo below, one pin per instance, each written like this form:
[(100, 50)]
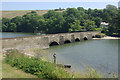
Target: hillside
[(11, 14)]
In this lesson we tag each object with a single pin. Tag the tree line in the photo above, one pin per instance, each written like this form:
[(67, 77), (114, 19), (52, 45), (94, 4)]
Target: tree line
[(70, 20)]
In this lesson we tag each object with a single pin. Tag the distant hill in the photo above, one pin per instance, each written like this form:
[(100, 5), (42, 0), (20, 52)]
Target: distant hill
[(11, 14)]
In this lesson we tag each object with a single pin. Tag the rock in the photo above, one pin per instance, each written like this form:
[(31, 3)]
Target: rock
[(67, 66)]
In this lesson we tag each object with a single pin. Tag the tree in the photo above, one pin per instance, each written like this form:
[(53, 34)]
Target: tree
[(30, 23), (55, 23), (90, 25), (114, 26), (49, 14), (4, 28), (106, 17), (12, 27), (72, 11), (71, 19), (111, 7), (5, 24), (18, 21), (80, 8), (109, 13), (75, 26), (97, 21)]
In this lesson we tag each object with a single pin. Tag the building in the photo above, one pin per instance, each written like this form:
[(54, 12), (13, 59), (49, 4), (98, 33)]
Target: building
[(104, 24)]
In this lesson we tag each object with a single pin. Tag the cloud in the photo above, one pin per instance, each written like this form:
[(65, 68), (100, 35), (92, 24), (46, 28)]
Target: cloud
[(60, 0)]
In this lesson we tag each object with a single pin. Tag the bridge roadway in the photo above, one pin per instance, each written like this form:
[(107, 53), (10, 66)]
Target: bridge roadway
[(45, 41)]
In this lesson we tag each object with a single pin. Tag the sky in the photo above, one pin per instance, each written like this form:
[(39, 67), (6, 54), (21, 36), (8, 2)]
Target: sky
[(33, 5)]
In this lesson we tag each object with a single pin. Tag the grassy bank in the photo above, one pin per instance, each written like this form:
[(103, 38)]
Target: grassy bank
[(13, 72), (41, 69)]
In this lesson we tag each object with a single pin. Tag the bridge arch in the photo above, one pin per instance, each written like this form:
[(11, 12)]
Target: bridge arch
[(77, 40), (85, 38), (67, 41), (53, 43), (93, 36)]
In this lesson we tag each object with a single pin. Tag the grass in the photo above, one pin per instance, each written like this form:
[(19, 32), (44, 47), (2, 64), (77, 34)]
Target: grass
[(11, 14), (6, 71), (13, 72)]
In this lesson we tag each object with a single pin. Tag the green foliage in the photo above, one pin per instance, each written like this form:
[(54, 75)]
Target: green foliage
[(98, 29), (90, 25), (35, 66), (111, 7), (12, 27), (105, 30), (70, 20), (18, 21), (102, 34), (114, 26), (75, 26), (5, 24)]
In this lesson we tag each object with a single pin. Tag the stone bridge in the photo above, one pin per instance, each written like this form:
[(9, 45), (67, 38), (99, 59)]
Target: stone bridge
[(45, 41)]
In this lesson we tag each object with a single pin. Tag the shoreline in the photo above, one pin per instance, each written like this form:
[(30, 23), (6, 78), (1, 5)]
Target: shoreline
[(107, 37)]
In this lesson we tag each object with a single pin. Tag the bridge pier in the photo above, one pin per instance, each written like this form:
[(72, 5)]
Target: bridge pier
[(72, 38), (89, 36), (81, 37), (61, 41)]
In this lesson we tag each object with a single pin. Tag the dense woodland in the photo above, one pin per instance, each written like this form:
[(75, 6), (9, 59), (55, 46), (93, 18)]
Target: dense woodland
[(69, 20)]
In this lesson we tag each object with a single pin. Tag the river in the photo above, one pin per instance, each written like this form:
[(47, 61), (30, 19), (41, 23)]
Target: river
[(102, 55), (16, 34)]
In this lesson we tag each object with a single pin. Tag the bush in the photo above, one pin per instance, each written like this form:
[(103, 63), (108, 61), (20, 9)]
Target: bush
[(98, 29), (35, 66)]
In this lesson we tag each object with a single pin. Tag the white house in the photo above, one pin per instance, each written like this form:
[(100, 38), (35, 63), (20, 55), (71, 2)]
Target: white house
[(104, 24)]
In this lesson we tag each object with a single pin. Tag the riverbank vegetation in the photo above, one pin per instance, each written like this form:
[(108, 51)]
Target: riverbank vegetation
[(69, 20), (41, 69), (102, 34)]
